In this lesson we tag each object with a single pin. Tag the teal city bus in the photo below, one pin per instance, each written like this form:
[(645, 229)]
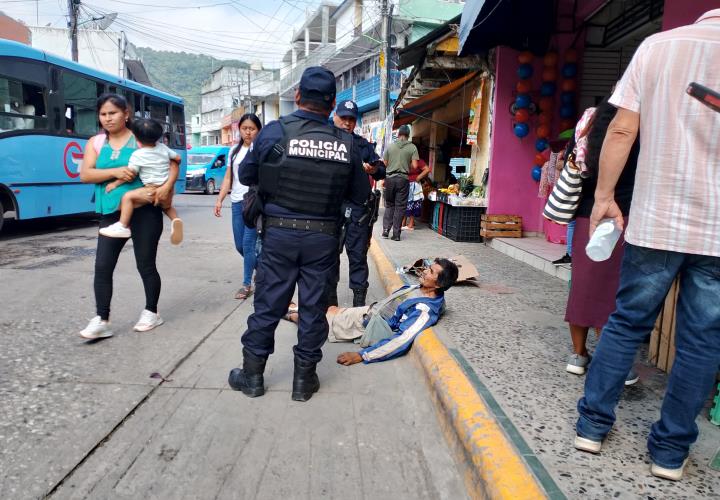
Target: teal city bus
[(47, 114)]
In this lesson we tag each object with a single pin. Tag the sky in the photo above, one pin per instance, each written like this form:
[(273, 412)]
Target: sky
[(249, 30)]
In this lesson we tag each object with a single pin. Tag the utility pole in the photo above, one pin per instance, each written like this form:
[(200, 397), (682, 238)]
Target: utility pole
[(383, 59), (73, 25), (250, 103)]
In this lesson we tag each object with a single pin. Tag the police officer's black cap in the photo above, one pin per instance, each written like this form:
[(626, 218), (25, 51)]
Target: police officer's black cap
[(347, 108), (318, 84)]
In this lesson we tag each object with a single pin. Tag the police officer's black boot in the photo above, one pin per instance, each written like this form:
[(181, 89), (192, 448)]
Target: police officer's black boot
[(305, 380), (250, 378), (359, 295)]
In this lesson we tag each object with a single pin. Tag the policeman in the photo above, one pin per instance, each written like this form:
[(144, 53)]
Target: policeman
[(359, 227), (304, 168)]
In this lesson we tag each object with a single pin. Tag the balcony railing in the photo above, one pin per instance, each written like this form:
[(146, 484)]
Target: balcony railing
[(316, 58), (369, 88)]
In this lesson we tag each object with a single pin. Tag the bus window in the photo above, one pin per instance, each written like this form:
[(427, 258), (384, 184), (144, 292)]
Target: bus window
[(22, 106), (135, 102), (80, 100), (178, 127)]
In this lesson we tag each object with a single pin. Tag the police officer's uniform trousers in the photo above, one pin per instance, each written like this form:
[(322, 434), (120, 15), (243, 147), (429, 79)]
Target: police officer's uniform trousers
[(289, 256)]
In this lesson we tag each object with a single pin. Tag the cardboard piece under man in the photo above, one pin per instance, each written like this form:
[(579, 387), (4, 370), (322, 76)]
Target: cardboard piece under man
[(304, 168), (359, 227)]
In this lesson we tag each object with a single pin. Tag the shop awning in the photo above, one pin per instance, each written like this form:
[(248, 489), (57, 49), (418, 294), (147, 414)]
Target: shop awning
[(519, 24), (430, 101)]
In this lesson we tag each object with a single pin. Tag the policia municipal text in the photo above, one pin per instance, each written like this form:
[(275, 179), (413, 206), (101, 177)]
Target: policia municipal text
[(302, 191)]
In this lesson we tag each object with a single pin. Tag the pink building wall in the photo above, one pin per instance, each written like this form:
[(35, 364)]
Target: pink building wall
[(681, 12), (511, 187)]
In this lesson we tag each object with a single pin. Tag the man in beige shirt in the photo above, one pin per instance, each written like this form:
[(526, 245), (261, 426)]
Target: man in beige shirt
[(673, 231)]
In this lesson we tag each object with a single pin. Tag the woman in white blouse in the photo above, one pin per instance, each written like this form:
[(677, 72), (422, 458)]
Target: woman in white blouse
[(245, 237)]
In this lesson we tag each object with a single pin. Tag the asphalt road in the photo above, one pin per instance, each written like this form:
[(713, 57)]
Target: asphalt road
[(86, 420)]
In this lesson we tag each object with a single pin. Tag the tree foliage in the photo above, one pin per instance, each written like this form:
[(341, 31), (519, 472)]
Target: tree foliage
[(181, 73)]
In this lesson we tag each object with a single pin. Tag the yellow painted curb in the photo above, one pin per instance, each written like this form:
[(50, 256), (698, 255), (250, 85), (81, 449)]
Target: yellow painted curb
[(494, 467)]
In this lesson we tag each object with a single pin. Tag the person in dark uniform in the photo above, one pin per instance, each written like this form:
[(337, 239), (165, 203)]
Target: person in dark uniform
[(304, 168), (359, 227)]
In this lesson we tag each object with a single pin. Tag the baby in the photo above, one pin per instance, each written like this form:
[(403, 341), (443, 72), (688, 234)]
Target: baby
[(152, 163)]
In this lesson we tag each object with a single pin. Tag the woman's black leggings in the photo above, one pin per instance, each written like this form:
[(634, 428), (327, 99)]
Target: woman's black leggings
[(146, 226)]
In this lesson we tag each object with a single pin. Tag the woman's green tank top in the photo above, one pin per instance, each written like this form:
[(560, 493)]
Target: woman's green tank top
[(107, 203)]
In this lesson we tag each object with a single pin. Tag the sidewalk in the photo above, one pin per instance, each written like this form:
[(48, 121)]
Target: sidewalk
[(509, 334)]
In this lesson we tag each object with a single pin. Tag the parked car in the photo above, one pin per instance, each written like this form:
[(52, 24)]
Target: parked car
[(206, 168)]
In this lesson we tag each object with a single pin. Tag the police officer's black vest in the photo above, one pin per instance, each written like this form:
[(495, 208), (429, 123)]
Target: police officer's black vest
[(309, 169)]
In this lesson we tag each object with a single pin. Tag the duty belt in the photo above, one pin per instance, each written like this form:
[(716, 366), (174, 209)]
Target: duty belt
[(318, 226)]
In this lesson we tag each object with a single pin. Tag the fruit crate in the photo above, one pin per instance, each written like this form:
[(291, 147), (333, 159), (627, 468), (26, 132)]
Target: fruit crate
[(501, 226), (463, 223)]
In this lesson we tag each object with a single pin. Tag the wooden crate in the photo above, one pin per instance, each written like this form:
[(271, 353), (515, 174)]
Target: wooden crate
[(500, 226), (662, 339)]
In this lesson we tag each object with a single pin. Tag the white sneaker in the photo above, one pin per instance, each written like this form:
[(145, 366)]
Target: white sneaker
[(116, 230), (671, 474), (588, 445), (96, 329), (148, 320), (176, 231)]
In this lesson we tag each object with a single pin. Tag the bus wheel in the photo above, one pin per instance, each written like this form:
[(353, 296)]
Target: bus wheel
[(210, 187)]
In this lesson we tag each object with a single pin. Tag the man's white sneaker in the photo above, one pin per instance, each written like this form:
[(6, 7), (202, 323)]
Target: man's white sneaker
[(96, 329), (671, 474), (116, 230), (148, 320), (588, 445)]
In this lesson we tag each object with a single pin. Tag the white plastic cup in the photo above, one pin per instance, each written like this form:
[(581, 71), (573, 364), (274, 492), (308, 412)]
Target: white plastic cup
[(603, 241)]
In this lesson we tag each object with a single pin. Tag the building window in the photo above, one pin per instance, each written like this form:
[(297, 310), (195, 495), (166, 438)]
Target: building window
[(80, 103), (22, 106)]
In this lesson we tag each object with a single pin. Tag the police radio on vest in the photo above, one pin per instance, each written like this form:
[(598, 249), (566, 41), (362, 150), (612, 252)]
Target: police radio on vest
[(311, 148)]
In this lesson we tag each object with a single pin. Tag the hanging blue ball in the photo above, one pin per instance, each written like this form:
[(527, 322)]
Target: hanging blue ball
[(569, 70), (567, 111), (548, 89), (541, 145), (522, 101), (536, 173), (521, 130), (567, 98), (525, 71)]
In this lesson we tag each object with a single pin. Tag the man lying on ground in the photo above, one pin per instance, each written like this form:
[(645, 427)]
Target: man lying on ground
[(387, 328)]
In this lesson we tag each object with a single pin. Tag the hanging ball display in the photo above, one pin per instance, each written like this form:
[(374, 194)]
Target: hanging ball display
[(541, 145), (543, 132), (536, 173), (523, 86), (525, 71), (521, 130), (549, 75), (522, 101), (539, 159), (567, 98), (525, 57), (568, 86), (548, 88), (569, 70), (522, 115), (567, 124), (550, 59), (567, 111), (546, 103), (545, 118), (571, 56)]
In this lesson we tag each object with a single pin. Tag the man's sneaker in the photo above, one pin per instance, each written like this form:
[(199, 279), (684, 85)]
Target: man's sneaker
[(588, 445), (671, 474), (577, 364), (565, 259), (116, 230), (386, 234), (148, 320), (632, 377), (176, 231), (96, 329)]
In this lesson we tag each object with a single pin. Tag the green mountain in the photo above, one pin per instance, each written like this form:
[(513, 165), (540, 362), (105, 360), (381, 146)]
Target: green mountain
[(181, 73)]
